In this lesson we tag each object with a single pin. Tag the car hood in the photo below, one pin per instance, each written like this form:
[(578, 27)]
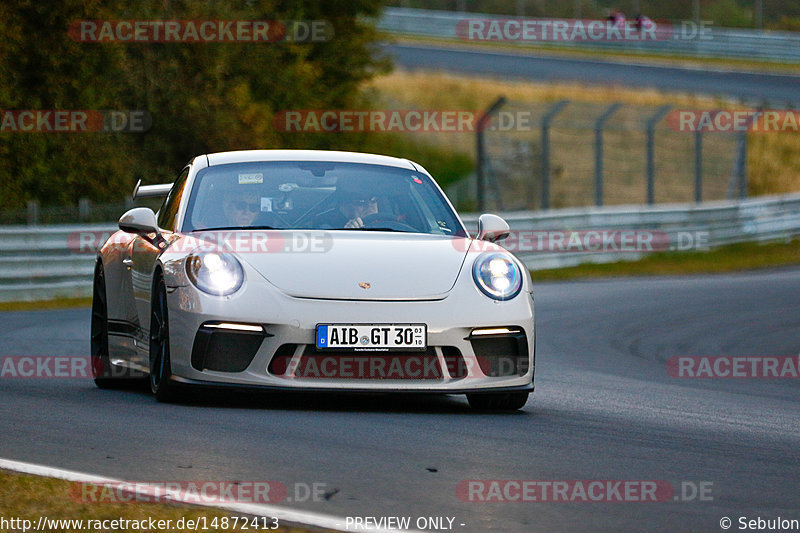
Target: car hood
[(348, 265)]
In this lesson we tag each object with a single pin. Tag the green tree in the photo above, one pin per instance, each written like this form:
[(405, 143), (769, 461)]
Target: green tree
[(202, 97)]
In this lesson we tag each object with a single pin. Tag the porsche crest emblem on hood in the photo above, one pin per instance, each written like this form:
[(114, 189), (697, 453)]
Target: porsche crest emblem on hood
[(364, 285)]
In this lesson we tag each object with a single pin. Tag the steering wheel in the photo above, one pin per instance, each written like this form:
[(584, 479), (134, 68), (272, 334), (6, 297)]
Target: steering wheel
[(382, 220)]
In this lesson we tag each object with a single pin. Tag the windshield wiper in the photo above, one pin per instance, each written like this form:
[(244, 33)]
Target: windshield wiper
[(374, 229), (240, 228)]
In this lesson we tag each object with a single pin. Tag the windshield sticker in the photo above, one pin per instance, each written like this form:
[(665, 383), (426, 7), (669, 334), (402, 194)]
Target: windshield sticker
[(266, 204), (245, 179)]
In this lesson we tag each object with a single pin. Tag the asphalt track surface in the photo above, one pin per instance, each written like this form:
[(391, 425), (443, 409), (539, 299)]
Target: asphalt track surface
[(604, 408), (776, 90)]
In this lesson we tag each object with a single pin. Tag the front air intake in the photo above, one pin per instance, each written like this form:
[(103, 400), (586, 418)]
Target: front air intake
[(501, 351), (225, 349)]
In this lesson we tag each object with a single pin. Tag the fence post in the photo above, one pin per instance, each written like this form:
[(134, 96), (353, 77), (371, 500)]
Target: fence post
[(698, 165), (741, 174), (83, 208), (545, 141), (33, 212), (651, 164), (598, 152), (480, 148)]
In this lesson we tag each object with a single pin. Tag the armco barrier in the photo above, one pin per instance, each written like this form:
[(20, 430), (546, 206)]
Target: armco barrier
[(716, 42), (767, 218), (36, 263)]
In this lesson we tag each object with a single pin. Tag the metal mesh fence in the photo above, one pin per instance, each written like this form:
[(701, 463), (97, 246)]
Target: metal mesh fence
[(552, 155), (571, 154)]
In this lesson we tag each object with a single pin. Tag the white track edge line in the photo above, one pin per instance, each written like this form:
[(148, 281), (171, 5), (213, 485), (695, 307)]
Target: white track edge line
[(281, 513)]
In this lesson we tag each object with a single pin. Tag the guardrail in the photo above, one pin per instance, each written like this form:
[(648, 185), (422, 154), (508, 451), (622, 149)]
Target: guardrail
[(45, 262), (782, 46), (674, 227)]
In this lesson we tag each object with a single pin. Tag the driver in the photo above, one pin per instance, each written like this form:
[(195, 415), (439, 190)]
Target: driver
[(355, 208), (241, 207), (349, 213)]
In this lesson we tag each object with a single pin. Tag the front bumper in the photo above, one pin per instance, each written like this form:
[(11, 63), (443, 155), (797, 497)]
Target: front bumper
[(289, 329)]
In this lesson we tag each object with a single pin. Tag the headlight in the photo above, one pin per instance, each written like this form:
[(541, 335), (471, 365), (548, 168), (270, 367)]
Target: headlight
[(213, 273), (497, 276)]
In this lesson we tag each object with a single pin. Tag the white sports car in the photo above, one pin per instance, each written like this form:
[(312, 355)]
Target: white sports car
[(315, 271)]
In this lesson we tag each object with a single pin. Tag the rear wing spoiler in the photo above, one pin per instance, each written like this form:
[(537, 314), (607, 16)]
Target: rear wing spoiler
[(150, 191)]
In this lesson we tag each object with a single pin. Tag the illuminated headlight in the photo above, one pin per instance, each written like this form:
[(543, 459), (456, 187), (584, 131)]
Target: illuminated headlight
[(213, 273), (497, 276)]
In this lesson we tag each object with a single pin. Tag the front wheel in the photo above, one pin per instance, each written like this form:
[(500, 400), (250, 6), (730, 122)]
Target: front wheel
[(498, 401), (160, 369)]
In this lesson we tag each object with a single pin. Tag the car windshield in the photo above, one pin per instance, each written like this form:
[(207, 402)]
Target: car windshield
[(318, 195)]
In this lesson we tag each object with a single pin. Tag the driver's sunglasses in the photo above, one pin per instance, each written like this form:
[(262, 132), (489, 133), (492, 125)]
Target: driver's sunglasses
[(242, 206), (365, 201)]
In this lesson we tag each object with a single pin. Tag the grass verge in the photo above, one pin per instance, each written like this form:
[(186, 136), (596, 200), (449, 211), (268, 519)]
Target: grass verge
[(29, 497), (60, 303), (732, 258)]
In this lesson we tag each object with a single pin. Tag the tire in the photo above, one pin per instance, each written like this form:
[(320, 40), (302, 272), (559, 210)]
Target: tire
[(105, 377), (502, 401), (160, 368)]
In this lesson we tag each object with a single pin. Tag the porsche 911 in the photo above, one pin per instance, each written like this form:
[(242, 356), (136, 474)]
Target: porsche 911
[(321, 271)]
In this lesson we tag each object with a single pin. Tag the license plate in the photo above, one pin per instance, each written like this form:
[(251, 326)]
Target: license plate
[(371, 337)]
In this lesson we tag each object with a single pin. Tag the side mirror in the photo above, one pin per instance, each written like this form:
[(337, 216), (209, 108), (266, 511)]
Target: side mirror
[(492, 228), (140, 221)]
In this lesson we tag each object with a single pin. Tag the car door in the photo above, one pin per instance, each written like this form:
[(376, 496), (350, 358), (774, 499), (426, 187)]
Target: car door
[(144, 253)]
